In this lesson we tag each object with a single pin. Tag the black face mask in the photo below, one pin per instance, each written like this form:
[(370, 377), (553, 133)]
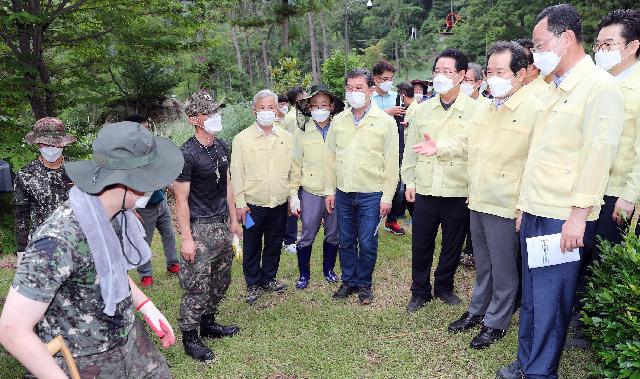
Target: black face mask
[(125, 235)]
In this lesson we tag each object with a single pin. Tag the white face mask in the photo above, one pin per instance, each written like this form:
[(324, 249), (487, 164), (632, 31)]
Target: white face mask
[(466, 88), (357, 100), (442, 84), (142, 201), (51, 153), (386, 86), (265, 118), (430, 89), (500, 87), (284, 110), (213, 124), (606, 60), (320, 115), (546, 61)]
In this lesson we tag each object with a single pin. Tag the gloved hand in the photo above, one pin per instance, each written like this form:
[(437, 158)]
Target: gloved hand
[(294, 205), (158, 323)]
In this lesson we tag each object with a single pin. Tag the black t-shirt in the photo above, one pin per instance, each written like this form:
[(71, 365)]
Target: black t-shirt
[(208, 195)]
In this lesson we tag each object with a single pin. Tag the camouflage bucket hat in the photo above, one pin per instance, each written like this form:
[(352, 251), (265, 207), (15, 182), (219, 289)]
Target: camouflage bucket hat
[(201, 102), (303, 104), (127, 153), (49, 131)]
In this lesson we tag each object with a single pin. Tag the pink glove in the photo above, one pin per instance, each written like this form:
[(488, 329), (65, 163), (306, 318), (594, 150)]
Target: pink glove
[(157, 322)]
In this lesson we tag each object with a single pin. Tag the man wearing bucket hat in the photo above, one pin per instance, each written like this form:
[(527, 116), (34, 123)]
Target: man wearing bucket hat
[(73, 281), (307, 182), (42, 185), (206, 216)]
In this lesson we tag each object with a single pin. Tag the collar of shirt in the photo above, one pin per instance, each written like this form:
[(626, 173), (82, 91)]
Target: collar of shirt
[(569, 80), (262, 132), (356, 120), (323, 131), (498, 103), (459, 103), (627, 73)]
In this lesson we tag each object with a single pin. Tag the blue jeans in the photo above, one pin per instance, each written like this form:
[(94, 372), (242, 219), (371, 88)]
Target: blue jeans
[(358, 217), (547, 299)]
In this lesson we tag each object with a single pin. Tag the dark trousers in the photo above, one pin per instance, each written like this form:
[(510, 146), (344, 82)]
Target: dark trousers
[(397, 210), (358, 217), (291, 230), (259, 265), (547, 299), (468, 244), (430, 213)]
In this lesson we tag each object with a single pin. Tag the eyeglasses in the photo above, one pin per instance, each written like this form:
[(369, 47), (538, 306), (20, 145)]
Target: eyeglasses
[(538, 47), (315, 107), (605, 46), (443, 72), (386, 78)]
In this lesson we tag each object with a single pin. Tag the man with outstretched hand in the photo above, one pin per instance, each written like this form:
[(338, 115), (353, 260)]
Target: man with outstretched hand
[(73, 281)]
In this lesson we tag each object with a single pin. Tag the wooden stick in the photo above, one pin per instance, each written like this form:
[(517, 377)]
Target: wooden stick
[(57, 344)]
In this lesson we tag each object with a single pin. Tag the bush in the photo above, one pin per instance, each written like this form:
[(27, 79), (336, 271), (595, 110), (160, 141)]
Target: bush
[(612, 309), (333, 70)]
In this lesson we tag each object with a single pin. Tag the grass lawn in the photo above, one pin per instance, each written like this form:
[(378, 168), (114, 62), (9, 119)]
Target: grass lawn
[(306, 334)]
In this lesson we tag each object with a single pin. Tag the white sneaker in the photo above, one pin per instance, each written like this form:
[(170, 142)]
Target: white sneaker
[(291, 249)]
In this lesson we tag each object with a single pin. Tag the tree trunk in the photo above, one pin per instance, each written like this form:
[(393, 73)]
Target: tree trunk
[(236, 45), (285, 26), (315, 70), (265, 61), (325, 45), (397, 54), (250, 63)]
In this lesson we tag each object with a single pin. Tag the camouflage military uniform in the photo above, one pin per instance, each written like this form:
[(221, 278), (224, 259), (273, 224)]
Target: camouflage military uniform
[(206, 280), (38, 192), (58, 269)]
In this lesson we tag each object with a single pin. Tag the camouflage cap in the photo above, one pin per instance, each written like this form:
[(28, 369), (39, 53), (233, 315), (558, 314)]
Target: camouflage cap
[(201, 102), (49, 131)]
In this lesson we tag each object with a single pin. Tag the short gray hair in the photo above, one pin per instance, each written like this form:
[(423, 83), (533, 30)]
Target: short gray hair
[(477, 71), (262, 94)]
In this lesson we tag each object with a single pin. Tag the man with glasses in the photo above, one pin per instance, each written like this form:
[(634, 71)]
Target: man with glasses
[(438, 186), (617, 48), (360, 179), (567, 169)]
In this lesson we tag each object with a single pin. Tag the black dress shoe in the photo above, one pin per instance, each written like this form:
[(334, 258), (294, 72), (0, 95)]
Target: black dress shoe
[(210, 328), (486, 337), (344, 291), (449, 298), (417, 302), (512, 371), (465, 322)]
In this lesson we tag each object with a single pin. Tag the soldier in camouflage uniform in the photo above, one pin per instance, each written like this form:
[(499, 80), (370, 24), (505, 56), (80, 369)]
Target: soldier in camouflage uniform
[(206, 215), (58, 287), (42, 185)]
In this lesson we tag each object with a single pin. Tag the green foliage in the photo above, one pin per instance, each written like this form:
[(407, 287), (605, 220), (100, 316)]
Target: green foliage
[(612, 309), (287, 75), (333, 70), (373, 54)]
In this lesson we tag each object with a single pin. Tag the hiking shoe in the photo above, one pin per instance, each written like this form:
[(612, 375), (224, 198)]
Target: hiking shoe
[(274, 286), (449, 298), (512, 371), (302, 283), (291, 248), (194, 347), (344, 291), (417, 302), (365, 295), (394, 228), (173, 268), (147, 281), (331, 277), (253, 294)]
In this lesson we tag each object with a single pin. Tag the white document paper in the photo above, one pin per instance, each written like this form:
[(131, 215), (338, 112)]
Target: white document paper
[(545, 251)]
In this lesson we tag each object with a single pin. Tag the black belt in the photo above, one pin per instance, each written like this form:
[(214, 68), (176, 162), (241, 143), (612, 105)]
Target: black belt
[(209, 220)]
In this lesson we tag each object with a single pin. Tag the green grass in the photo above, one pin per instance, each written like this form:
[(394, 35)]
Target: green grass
[(306, 334)]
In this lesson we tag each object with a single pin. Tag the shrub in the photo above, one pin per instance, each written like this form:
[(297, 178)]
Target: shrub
[(612, 309), (333, 70)]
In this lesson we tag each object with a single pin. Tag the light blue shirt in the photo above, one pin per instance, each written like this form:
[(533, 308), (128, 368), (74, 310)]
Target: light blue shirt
[(385, 102)]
